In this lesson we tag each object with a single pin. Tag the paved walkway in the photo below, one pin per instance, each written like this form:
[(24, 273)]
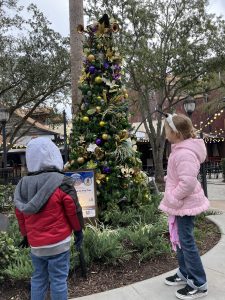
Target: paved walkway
[(216, 193), (214, 263)]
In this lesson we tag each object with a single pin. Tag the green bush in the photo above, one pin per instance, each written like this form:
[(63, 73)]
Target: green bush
[(13, 230), (21, 267), (103, 244), (140, 231), (6, 196), (148, 214), (8, 252), (148, 240), (223, 167)]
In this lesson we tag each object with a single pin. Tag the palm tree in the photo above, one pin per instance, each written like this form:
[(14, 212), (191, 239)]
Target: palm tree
[(76, 18)]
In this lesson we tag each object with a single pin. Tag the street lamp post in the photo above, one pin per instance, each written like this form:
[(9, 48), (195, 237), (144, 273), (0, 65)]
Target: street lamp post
[(65, 137), (189, 106), (4, 117)]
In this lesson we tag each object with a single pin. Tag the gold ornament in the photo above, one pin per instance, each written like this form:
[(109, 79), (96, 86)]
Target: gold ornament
[(124, 134), (127, 172), (85, 119), (100, 177), (98, 109), (126, 96), (99, 153), (99, 98), (105, 136), (102, 123), (80, 160), (98, 80), (91, 57), (107, 179)]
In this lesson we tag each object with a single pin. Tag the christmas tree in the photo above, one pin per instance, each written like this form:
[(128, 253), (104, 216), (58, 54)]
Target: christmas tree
[(102, 137)]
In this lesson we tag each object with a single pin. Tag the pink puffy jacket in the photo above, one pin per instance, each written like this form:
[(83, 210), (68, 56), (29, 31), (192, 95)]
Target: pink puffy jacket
[(183, 193)]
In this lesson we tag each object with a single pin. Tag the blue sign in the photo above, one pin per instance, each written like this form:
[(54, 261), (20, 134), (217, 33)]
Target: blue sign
[(84, 183)]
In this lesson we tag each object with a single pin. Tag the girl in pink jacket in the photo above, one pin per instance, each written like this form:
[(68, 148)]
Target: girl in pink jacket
[(183, 199)]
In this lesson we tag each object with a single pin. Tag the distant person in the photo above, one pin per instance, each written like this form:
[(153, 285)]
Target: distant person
[(48, 211), (183, 200)]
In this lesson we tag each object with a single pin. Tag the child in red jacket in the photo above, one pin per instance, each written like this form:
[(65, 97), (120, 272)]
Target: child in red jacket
[(48, 211)]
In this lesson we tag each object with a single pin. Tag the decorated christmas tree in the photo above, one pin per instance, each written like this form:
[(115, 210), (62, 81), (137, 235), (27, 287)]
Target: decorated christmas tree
[(102, 137)]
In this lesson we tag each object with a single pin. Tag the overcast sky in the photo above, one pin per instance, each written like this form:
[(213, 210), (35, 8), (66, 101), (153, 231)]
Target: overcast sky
[(57, 11)]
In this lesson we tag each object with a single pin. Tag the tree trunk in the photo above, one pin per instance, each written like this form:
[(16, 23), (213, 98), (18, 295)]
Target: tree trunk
[(76, 18), (158, 151)]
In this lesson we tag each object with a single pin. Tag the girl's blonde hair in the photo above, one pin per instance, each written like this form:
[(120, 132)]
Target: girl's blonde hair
[(184, 127)]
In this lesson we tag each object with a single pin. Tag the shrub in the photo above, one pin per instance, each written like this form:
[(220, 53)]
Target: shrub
[(8, 252), (6, 196), (103, 244), (148, 214), (21, 267), (13, 230), (147, 239)]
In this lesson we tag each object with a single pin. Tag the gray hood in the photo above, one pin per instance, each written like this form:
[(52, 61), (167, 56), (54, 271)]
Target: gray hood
[(42, 154), (32, 192)]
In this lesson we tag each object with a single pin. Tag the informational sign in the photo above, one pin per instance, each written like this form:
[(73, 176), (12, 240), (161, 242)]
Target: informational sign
[(84, 183)]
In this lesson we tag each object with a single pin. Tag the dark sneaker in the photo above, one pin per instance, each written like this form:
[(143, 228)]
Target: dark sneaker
[(190, 293), (174, 280)]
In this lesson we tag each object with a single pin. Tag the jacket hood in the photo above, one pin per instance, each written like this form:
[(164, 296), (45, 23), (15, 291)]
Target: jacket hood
[(32, 192), (197, 146), (41, 154)]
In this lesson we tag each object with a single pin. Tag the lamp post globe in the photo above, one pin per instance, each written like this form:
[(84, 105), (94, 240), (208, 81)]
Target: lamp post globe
[(189, 105)]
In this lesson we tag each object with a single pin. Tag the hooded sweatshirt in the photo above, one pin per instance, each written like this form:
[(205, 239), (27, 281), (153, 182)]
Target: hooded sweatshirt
[(184, 194), (46, 202)]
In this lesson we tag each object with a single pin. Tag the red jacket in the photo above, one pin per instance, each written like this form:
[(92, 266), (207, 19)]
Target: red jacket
[(54, 221)]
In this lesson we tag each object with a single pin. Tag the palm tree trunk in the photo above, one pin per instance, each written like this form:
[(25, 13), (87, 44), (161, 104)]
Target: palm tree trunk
[(76, 18)]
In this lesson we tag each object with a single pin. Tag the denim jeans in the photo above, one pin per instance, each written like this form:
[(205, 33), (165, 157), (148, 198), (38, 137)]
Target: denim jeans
[(190, 264), (51, 270)]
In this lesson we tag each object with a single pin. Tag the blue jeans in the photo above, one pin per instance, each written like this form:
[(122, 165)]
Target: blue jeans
[(51, 270), (190, 264)]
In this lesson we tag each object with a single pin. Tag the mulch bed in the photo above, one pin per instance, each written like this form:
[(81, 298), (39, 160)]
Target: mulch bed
[(102, 278)]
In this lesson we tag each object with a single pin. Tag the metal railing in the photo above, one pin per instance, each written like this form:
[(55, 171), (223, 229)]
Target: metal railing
[(213, 169), (10, 175)]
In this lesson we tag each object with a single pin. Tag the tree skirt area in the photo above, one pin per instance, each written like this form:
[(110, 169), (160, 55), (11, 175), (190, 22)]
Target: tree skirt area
[(102, 278)]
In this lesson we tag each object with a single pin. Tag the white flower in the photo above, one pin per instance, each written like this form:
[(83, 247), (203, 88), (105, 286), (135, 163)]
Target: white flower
[(92, 147), (109, 83)]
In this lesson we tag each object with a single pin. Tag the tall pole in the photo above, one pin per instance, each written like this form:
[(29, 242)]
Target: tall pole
[(4, 152), (65, 137), (76, 49), (203, 173)]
